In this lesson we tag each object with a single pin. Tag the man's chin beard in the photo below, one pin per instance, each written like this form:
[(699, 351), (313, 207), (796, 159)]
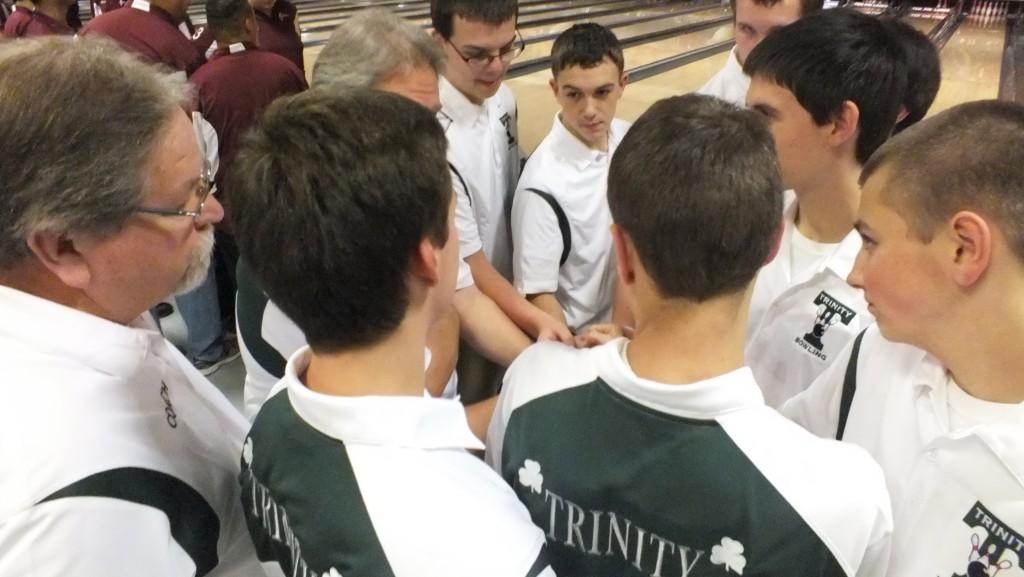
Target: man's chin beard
[(199, 264)]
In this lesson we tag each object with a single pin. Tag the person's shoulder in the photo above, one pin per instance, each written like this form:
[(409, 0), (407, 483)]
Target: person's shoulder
[(548, 367)]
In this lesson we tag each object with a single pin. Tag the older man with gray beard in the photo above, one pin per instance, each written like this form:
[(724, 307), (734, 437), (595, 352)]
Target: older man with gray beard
[(118, 457)]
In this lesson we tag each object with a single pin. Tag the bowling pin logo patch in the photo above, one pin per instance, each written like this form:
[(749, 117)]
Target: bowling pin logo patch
[(995, 547), (830, 313)]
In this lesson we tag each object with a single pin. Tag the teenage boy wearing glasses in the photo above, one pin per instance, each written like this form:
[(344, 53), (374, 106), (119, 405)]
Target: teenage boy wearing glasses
[(480, 40)]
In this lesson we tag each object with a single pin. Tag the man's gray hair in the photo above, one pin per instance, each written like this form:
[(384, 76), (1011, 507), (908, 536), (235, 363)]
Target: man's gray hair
[(79, 120), (372, 46)]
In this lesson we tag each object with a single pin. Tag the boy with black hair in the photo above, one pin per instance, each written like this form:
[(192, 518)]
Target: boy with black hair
[(753, 20), (924, 72), (562, 257), (479, 39), (349, 468), (831, 86), (658, 456), (933, 391)]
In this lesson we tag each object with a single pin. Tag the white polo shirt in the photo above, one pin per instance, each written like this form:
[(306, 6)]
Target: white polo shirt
[(267, 338), (800, 321), (483, 149), (119, 458), (628, 476), (730, 83), (380, 486), (958, 492), (577, 178)]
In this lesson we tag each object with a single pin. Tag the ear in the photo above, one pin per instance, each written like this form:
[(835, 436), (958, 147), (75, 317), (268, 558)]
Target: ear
[(903, 114), (437, 38), (426, 262), (625, 254), (972, 240), (624, 80), (845, 125), (252, 28), (554, 86), (60, 255)]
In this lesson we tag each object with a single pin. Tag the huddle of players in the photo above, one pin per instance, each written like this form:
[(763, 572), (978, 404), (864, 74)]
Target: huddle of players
[(656, 454)]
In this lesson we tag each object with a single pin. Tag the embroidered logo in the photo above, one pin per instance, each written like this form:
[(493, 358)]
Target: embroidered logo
[(530, 476), (506, 121), (729, 554), (999, 551), (172, 417), (247, 452), (830, 313)]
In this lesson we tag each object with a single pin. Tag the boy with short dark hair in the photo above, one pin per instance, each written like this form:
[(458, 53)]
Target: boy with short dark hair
[(562, 258), (349, 469), (657, 456), (753, 21), (933, 391), (831, 86)]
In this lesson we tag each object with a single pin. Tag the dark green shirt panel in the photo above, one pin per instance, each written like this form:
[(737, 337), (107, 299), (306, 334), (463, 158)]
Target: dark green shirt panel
[(302, 502), (250, 306), (623, 490)]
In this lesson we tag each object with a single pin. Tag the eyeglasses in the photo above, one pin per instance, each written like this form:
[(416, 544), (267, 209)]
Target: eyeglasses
[(202, 192), (480, 60)]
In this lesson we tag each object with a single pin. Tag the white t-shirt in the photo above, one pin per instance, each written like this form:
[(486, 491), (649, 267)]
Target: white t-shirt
[(379, 486), (483, 150), (957, 491), (690, 476), (730, 83), (577, 178), (799, 321), (120, 459)]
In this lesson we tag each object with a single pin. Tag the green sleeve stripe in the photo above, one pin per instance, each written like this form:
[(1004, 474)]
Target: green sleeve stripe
[(194, 524), (540, 564), (250, 306)]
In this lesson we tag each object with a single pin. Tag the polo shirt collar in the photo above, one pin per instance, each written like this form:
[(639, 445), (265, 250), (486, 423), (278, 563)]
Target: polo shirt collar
[(145, 6), (456, 106), (233, 48), (572, 149), (706, 400), (406, 422), (60, 331)]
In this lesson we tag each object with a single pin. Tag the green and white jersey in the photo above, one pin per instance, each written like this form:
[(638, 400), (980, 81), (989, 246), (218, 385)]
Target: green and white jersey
[(378, 487), (629, 477)]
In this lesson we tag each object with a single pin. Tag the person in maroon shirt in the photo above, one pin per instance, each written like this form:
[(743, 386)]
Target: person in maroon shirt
[(47, 17), (150, 28), (279, 29)]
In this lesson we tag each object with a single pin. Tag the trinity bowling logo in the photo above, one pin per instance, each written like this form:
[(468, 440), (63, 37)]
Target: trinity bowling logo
[(995, 547), (506, 121), (830, 313)]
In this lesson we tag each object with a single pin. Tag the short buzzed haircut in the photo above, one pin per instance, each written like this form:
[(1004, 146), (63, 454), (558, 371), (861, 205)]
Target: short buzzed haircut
[(494, 12), (585, 45), (806, 6), (371, 47), (923, 69), (80, 119), (227, 17), (836, 56), (335, 192), (695, 183), (966, 158)]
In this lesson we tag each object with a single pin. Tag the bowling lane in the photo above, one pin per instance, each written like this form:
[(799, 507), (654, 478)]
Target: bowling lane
[(971, 64), (537, 106)]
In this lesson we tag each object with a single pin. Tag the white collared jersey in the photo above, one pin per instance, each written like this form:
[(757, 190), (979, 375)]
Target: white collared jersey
[(483, 151), (799, 322), (378, 487), (576, 177), (628, 477), (729, 83), (958, 495), (119, 458), (267, 338)]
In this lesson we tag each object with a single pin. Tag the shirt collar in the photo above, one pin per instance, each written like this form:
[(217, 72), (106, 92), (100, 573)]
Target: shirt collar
[(571, 148), (456, 106), (145, 6), (234, 48), (408, 422), (708, 399), (60, 331)]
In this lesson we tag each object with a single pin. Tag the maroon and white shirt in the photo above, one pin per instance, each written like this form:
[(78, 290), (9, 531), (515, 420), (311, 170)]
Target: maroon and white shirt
[(24, 23), (150, 31), (279, 32)]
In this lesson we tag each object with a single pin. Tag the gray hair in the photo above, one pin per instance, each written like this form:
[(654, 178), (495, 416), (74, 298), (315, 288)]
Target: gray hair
[(372, 46), (79, 119)]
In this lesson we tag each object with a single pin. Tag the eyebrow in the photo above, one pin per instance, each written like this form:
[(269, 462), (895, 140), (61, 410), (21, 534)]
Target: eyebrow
[(861, 226), (482, 49), (603, 86), (765, 109)]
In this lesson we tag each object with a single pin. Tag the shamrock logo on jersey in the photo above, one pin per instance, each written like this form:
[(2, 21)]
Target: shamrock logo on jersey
[(247, 451), (332, 573), (530, 475), (730, 554)]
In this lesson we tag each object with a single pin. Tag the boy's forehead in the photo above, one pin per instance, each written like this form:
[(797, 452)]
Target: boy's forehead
[(781, 13), (482, 34), (602, 73)]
